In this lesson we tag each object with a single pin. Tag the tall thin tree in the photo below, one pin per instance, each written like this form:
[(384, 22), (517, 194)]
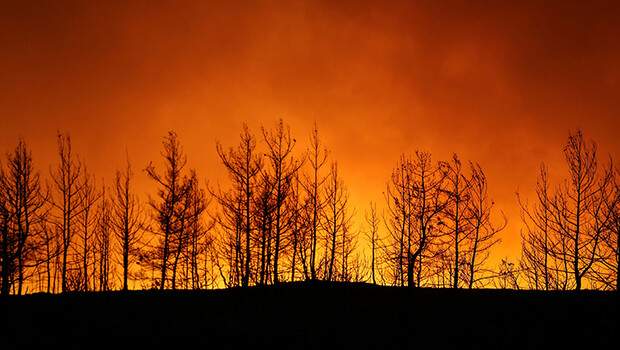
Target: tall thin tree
[(243, 165), (172, 189), (128, 220), (480, 218), (317, 158), (335, 220), (372, 235), (283, 166), (455, 220), (67, 181), (87, 220), (577, 204)]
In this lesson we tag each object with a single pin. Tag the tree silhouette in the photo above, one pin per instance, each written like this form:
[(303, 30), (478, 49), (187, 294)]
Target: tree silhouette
[(88, 197), (264, 207), (296, 207), (229, 258), (578, 207), (455, 219), (68, 183), (479, 216), (335, 221), (103, 243), (313, 182), (5, 245), (25, 201), (283, 168), (284, 214), (50, 250), (573, 221), (196, 248), (168, 208), (537, 262), (416, 200), (398, 221), (372, 235), (608, 272), (127, 219), (243, 165)]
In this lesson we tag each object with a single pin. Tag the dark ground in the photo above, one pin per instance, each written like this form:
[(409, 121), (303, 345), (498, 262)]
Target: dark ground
[(313, 316)]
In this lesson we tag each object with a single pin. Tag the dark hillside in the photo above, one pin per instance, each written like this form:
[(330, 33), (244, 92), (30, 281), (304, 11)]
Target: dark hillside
[(313, 316)]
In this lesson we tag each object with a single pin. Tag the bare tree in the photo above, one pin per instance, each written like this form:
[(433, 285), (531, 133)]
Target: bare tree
[(128, 220), (88, 197), (607, 271), (565, 233), (372, 235), (189, 215), (578, 208), (351, 268), (103, 243), (455, 219), (181, 238), (479, 215), (335, 221), (264, 207), (399, 223), (50, 251), (172, 189), (611, 240), (429, 203), (283, 168), (229, 257), (296, 208), (415, 202), (67, 181), (243, 166), (25, 200), (199, 234), (5, 245), (317, 157), (537, 262)]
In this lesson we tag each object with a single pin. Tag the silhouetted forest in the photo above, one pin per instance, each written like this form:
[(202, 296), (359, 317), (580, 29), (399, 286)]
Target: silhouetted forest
[(285, 216)]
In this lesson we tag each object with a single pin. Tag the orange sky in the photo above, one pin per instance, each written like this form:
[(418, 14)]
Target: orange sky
[(500, 84)]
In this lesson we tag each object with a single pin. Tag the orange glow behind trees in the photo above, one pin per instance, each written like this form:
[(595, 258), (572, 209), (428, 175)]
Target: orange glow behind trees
[(500, 85)]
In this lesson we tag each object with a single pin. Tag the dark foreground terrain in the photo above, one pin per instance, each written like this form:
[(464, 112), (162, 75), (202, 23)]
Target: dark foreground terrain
[(312, 316)]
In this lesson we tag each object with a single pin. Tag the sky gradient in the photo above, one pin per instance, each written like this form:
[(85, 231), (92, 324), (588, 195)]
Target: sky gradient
[(497, 83)]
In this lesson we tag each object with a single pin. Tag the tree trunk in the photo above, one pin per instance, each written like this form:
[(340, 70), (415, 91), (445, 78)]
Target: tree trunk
[(5, 259), (456, 248), (246, 274), (294, 255), (164, 262), (410, 263), (372, 264), (472, 264), (125, 260), (618, 259)]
